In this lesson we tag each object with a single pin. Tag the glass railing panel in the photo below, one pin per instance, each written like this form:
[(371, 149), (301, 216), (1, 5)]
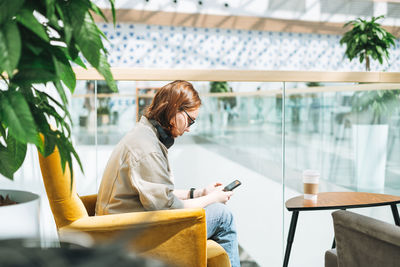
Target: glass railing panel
[(83, 114), (100, 119), (375, 135), (310, 135), (346, 132), (116, 116), (239, 136)]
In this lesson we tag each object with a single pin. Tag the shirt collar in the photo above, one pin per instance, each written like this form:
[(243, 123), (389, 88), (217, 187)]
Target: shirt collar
[(165, 138), (145, 121)]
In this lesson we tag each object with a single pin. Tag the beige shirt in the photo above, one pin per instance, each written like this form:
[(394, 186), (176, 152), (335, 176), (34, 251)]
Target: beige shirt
[(137, 176)]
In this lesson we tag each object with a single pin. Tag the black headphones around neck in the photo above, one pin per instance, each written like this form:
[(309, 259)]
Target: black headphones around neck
[(163, 136)]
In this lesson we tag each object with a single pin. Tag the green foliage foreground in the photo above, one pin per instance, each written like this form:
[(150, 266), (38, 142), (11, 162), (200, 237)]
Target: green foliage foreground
[(39, 40)]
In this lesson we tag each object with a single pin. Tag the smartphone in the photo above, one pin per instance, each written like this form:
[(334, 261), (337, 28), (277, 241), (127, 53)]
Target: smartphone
[(232, 185)]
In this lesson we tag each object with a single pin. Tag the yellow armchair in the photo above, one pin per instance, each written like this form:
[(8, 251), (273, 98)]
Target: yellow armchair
[(177, 237)]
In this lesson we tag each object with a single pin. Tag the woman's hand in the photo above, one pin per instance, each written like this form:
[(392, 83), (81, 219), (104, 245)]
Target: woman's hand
[(220, 196), (211, 188), (211, 194)]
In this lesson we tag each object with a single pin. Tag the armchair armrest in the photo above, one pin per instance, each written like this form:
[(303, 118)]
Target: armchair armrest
[(136, 219), (175, 236)]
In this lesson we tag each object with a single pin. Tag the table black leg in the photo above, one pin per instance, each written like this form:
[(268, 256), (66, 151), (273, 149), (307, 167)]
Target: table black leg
[(395, 214), (292, 229)]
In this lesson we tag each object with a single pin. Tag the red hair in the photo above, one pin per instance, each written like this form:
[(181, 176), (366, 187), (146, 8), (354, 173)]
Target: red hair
[(171, 99)]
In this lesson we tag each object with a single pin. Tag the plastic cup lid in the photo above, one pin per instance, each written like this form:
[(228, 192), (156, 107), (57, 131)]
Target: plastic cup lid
[(311, 173)]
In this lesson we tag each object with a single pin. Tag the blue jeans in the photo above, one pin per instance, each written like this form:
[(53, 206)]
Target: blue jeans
[(221, 228)]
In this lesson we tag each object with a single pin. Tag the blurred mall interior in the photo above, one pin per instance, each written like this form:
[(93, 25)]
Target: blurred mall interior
[(284, 109)]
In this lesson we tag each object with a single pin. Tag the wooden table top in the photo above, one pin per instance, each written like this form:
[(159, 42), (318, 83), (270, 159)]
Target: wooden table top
[(341, 200)]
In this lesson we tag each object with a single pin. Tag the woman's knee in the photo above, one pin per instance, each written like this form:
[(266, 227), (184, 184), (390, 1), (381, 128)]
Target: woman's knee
[(222, 212)]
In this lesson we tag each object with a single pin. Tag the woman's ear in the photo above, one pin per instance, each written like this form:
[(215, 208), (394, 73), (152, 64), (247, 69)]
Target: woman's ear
[(174, 124), (173, 121)]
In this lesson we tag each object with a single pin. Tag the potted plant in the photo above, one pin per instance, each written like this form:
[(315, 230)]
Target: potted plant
[(39, 40), (103, 110), (294, 105), (19, 212), (371, 109), (222, 87), (225, 103)]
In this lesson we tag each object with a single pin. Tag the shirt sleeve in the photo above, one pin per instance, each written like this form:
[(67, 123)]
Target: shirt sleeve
[(151, 178)]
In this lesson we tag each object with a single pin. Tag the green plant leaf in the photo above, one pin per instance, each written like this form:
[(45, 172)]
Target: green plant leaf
[(11, 156), (8, 9), (16, 151), (379, 34), (348, 23), (45, 106), (91, 44), (40, 144), (361, 58), (36, 50), (63, 14), (380, 59), (61, 92), (73, 55), (17, 117), (49, 143), (390, 38), (30, 76), (63, 154), (2, 130), (26, 18), (6, 163), (364, 38), (50, 11), (79, 62), (10, 48), (36, 69), (378, 18), (104, 69), (97, 10), (112, 3), (85, 32), (72, 150), (380, 50), (64, 70)]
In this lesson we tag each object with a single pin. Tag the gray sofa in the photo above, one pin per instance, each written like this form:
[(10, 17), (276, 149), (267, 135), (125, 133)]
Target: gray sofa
[(363, 241)]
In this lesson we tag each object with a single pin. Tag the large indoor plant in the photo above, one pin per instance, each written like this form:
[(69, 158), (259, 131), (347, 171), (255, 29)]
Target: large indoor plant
[(223, 87), (367, 40), (39, 42), (224, 105)]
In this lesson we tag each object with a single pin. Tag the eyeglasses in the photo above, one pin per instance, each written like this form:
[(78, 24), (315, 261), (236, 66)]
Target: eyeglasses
[(190, 123)]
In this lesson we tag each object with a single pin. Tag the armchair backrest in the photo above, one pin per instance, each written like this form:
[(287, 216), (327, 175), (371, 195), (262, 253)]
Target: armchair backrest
[(65, 203), (364, 241)]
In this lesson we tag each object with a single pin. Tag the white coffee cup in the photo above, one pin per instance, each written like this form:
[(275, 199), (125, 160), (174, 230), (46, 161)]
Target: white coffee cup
[(310, 184)]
